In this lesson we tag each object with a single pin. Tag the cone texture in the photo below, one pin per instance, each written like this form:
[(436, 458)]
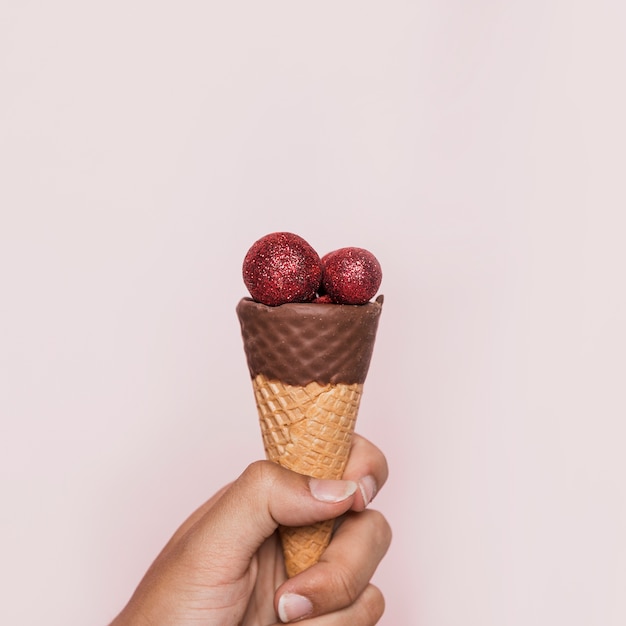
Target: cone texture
[(307, 429)]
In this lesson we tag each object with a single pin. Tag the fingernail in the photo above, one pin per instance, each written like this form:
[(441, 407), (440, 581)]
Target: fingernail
[(367, 485), (291, 606), (332, 490)]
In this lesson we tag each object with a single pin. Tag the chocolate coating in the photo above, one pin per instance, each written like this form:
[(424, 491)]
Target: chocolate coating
[(305, 342)]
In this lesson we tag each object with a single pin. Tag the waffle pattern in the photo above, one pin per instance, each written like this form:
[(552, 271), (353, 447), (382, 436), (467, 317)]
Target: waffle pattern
[(303, 546), (307, 430)]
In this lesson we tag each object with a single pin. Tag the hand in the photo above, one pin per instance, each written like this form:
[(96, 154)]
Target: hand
[(224, 565)]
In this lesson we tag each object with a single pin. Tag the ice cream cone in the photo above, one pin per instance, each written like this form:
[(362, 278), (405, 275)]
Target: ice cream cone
[(308, 363)]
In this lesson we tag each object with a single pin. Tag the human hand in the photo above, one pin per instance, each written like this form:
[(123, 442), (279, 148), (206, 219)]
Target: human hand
[(224, 565)]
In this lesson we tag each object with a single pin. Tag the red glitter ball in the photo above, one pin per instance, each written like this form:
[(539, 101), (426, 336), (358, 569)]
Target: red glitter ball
[(351, 275), (281, 268)]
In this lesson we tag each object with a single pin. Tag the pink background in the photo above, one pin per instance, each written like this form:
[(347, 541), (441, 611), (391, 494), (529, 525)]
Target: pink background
[(477, 148)]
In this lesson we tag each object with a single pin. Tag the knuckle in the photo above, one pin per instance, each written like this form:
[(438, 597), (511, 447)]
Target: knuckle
[(259, 472), (348, 583), (372, 605), (385, 467), (382, 533), (382, 463)]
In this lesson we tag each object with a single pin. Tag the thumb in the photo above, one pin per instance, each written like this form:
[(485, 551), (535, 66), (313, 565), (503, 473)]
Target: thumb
[(264, 496)]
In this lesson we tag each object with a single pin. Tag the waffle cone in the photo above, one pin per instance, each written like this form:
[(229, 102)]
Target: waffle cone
[(308, 363), (307, 429)]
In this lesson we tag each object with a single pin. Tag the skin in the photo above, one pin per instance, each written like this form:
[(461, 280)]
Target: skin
[(224, 566)]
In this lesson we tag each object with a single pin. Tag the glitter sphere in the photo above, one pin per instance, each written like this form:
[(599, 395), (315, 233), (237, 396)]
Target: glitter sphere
[(281, 268), (351, 275)]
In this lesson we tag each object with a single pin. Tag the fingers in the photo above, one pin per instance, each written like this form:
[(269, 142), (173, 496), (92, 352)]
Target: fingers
[(342, 574), (226, 531), (367, 466), (247, 513), (365, 611)]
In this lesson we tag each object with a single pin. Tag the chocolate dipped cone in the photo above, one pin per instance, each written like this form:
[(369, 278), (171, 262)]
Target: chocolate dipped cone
[(308, 363)]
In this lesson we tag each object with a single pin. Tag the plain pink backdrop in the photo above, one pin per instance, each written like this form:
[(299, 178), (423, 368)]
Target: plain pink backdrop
[(477, 148)]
